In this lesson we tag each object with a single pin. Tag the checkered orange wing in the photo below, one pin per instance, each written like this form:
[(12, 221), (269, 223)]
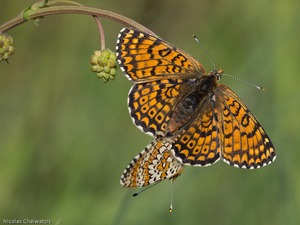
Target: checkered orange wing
[(143, 57), (245, 142), (199, 144), (152, 104), (154, 164)]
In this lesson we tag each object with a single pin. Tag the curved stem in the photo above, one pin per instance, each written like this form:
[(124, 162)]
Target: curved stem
[(101, 32), (56, 7)]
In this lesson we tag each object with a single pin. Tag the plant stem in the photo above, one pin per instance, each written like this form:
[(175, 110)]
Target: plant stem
[(101, 32), (56, 7)]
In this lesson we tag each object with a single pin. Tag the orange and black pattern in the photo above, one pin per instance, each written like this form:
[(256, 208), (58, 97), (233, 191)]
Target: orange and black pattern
[(147, 58), (152, 104), (175, 100), (154, 164)]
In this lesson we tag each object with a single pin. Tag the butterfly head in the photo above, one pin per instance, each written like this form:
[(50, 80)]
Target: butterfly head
[(217, 73)]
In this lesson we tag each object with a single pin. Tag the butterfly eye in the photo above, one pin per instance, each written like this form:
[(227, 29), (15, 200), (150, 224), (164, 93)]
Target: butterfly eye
[(219, 73)]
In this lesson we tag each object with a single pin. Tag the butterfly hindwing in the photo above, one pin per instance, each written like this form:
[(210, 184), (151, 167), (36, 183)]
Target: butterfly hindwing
[(199, 144), (245, 142), (154, 106), (154, 164), (151, 103)]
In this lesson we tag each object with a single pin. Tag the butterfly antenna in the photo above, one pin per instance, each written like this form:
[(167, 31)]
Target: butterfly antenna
[(206, 52), (247, 82), (171, 196), (150, 186)]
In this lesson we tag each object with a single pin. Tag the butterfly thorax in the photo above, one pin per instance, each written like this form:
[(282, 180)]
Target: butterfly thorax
[(192, 102), (207, 83)]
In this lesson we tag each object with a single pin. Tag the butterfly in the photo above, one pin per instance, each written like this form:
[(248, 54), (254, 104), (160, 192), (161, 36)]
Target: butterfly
[(195, 120)]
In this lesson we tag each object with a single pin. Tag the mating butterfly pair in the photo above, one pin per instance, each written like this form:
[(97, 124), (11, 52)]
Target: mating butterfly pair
[(194, 120)]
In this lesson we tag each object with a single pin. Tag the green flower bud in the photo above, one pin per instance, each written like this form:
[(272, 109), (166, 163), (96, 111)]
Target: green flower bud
[(104, 76), (106, 69), (113, 71), (104, 64), (94, 60), (6, 46)]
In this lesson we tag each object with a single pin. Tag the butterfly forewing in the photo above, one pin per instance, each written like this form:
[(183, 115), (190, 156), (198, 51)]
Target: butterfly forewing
[(144, 57)]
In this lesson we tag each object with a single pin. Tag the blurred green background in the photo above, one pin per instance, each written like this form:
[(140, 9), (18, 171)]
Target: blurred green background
[(66, 137)]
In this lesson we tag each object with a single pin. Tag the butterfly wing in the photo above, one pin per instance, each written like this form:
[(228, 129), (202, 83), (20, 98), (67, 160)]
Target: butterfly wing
[(199, 144), (245, 142), (152, 105), (143, 57), (154, 164)]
